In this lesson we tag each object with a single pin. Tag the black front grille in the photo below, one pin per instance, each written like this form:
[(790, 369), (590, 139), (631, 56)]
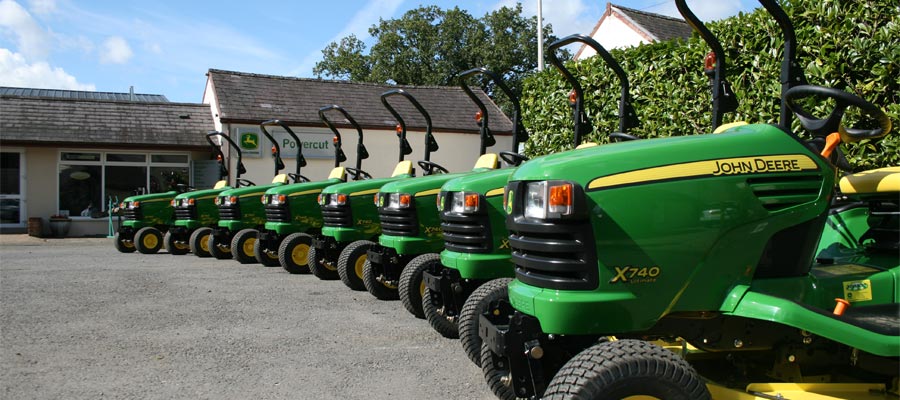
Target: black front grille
[(466, 233), (337, 216), (278, 213), (555, 255), (229, 212), (186, 213), (133, 214), (398, 221)]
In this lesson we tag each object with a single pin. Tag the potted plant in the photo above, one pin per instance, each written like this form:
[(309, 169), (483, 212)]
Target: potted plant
[(59, 225)]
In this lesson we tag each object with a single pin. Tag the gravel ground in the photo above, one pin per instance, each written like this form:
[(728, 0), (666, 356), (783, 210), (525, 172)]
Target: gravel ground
[(79, 320)]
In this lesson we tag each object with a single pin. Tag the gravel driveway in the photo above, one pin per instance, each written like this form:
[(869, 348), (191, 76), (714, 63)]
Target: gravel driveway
[(79, 320)]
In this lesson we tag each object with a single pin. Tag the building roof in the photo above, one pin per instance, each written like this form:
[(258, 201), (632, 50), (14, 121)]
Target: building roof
[(103, 123), (80, 94), (253, 98), (652, 27)]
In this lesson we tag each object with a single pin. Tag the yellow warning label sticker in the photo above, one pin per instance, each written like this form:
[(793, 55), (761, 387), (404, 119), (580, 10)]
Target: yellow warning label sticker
[(858, 290)]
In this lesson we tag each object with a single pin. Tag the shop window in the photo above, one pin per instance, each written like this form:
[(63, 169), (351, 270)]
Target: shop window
[(169, 158), (164, 179), (123, 181), (80, 188), (141, 158)]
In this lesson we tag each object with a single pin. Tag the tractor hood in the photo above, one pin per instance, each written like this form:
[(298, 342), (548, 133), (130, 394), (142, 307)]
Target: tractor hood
[(196, 194), (425, 183), (165, 196), (249, 190), (485, 183), (368, 186), (298, 189)]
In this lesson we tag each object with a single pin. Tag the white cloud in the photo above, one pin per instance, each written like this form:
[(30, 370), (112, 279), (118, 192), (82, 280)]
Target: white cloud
[(16, 71), (567, 16), (15, 22), (42, 7), (115, 50), (711, 10)]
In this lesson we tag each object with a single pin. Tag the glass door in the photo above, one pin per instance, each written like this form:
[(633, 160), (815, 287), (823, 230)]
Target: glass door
[(12, 198)]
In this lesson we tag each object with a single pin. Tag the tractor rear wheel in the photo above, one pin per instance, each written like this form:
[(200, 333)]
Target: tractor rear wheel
[(380, 290), (221, 251), (293, 254), (432, 305), (477, 304), (242, 246), (322, 269), (200, 241), (122, 245), (351, 261), (148, 240), (624, 368), (412, 284), (173, 247), (265, 256)]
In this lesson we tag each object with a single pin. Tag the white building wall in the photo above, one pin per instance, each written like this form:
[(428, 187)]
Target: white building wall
[(613, 33)]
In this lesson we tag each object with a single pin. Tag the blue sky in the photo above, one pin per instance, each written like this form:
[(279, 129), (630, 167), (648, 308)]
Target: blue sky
[(166, 46)]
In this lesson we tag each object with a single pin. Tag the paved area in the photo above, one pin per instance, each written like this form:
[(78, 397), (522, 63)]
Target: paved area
[(79, 320)]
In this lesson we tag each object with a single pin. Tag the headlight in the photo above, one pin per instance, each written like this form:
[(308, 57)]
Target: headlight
[(173, 202), (439, 201), (398, 200), (465, 202), (549, 198), (132, 204), (229, 200), (337, 199), (275, 199)]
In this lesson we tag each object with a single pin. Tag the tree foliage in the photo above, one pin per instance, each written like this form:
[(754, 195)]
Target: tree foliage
[(430, 46), (850, 45)]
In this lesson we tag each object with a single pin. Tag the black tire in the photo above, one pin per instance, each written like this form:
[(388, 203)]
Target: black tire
[(377, 289), (412, 286), (264, 257), (351, 261), (221, 251), (448, 328), (495, 368), (320, 268), (242, 246), (475, 305), (200, 241), (123, 246), (623, 368), (293, 254), (148, 240), (178, 249)]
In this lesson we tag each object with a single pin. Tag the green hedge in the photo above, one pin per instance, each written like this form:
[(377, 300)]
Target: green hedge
[(853, 45)]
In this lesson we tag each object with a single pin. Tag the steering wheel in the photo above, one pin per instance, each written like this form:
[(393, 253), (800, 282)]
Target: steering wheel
[(356, 173), (511, 158), (245, 182), (297, 178), (823, 127), (429, 167), (182, 188), (622, 136)]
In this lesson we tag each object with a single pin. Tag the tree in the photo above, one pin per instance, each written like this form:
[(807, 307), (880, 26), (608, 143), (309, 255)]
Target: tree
[(430, 46)]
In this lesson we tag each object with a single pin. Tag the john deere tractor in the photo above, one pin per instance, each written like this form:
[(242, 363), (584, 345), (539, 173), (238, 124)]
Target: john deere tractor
[(687, 267), (410, 226), (241, 208), (475, 264), (292, 211), (350, 217), (196, 213), (146, 218)]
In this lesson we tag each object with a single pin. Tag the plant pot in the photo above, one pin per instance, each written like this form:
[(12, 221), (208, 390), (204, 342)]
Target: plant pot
[(59, 227)]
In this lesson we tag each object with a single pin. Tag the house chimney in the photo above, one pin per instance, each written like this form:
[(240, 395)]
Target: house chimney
[(131, 93)]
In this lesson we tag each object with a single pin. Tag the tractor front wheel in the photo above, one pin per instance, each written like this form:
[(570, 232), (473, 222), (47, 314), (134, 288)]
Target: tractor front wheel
[(173, 247), (122, 245), (199, 242), (265, 256), (432, 305), (412, 285), (323, 270), (148, 240), (294, 253), (497, 374), (221, 251), (379, 289), (624, 368), (351, 261), (242, 246), (478, 303)]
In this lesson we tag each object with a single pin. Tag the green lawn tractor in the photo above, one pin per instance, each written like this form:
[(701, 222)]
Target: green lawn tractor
[(146, 218), (475, 265), (350, 218), (241, 208), (196, 213), (687, 267), (292, 211), (410, 226)]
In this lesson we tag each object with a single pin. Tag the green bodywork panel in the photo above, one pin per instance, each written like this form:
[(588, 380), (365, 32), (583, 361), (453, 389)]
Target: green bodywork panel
[(207, 210), (424, 191), (303, 203), (156, 209), (362, 208), (253, 214), (696, 212), (496, 263)]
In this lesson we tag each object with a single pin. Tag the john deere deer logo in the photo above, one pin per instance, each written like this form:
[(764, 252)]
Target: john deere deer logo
[(250, 140)]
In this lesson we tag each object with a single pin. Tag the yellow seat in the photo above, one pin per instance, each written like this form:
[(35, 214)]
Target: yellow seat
[(586, 145), (280, 178), (725, 127), (402, 168), (489, 160), (881, 180), (220, 184), (338, 173)]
